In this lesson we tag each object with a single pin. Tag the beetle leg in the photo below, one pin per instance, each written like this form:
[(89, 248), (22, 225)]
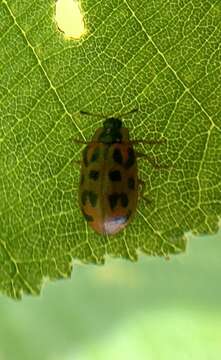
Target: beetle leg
[(141, 183), (149, 142), (140, 154), (77, 141), (152, 161)]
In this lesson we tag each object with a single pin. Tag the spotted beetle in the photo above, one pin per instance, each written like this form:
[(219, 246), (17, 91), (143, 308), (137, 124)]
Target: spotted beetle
[(109, 182)]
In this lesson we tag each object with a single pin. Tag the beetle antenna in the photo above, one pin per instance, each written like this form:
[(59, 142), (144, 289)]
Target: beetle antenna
[(82, 112)]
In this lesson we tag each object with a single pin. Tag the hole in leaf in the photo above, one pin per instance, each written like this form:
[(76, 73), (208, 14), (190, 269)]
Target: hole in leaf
[(69, 18)]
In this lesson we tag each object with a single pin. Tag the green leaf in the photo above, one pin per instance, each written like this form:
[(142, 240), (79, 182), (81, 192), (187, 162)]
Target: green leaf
[(160, 57)]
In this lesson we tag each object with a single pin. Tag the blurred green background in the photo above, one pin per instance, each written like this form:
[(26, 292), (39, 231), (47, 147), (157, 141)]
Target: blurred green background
[(153, 309)]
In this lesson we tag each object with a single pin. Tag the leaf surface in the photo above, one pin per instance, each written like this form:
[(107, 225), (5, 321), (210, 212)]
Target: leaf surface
[(158, 56)]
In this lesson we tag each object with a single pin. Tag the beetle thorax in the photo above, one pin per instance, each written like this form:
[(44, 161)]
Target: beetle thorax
[(111, 132)]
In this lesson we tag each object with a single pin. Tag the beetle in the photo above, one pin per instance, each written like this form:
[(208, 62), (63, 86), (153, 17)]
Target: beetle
[(108, 190)]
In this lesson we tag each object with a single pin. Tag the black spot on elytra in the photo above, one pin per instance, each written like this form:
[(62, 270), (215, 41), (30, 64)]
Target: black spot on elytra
[(94, 175), (113, 199), (131, 183), (117, 156), (131, 158), (87, 216), (89, 195), (95, 154), (115, 175), (84, 196), (92, 198), (85, 160), (124, 199)]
